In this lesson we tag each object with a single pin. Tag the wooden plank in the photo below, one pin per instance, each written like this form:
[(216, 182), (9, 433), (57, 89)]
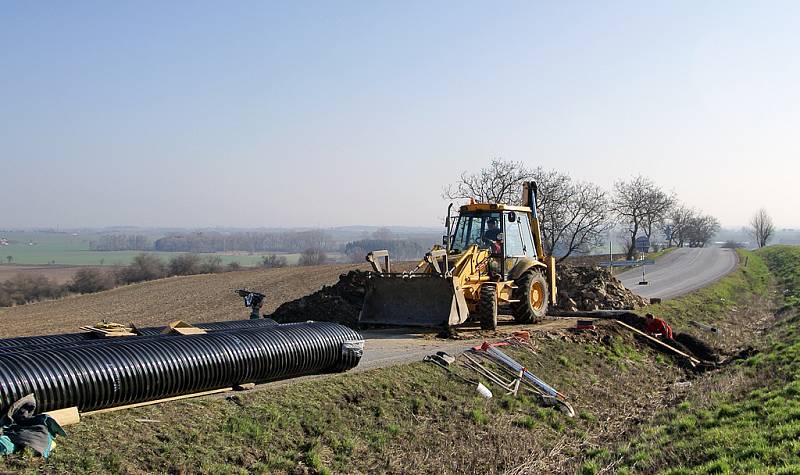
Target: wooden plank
[(189, 331), (179, 326), (157, 401), (102, 332), (694, 360), (118, 334), (66, 416)]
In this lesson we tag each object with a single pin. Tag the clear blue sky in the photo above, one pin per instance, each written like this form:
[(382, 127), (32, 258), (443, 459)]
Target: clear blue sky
[(336, 113)]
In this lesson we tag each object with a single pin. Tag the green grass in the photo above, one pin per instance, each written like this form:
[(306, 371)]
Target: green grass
[(784, 262), (754, 426), (391, 418), (66, 249), (661, 253)]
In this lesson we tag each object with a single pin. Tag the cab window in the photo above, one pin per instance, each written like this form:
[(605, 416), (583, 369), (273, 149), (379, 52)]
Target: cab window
[(476, 229), (514, 243), (527, 239), (468, 231)]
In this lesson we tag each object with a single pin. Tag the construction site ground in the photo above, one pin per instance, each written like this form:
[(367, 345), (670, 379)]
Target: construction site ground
[(396, 414)]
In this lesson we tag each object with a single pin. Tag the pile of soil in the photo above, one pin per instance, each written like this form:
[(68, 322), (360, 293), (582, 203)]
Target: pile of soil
[(580, 288), (593, 288), (340, 302)]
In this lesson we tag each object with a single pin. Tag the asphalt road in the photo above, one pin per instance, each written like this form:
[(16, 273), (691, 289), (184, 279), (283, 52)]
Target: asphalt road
[(681, 271)]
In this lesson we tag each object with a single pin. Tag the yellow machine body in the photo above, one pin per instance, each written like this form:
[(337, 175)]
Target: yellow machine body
[(448, 285)]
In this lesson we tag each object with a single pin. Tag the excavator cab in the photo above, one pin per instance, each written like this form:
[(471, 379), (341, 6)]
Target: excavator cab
[(505, 234), (491, 256)]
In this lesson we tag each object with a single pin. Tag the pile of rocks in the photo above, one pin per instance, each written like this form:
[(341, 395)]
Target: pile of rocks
[(593, 288)]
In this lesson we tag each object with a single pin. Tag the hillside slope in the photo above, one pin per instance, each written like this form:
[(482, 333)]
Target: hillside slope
[(197, 298), (415, 419)]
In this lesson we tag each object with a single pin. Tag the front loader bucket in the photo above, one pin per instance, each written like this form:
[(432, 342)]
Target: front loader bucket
[(426, 300)]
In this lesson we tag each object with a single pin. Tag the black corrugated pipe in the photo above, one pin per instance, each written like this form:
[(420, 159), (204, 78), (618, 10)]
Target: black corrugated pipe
[(45, 340), (145, 333), (136, 370)]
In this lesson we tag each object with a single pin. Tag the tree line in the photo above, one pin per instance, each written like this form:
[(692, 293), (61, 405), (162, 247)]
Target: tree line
[(121, 242), (253, 242), (400, 249), (207, 242), (576, 216)]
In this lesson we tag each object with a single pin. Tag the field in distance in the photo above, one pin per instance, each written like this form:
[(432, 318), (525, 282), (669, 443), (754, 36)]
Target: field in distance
[(65, 249)]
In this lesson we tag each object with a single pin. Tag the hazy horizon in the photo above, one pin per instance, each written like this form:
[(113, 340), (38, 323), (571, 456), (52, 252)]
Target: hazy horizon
[(320, 115)]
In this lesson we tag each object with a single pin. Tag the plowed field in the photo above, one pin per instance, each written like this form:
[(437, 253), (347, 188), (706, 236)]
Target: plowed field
[(198, 298)]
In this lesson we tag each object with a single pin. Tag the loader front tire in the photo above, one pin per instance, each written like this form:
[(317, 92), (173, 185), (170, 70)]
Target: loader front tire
[(487, 307), (533, 295)]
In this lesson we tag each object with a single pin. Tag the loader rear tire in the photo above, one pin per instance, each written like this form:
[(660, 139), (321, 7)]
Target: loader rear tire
[(487, 307), (533, 295)]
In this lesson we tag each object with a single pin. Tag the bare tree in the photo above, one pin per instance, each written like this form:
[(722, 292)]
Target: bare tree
[(572, 214), (184, 264), (500, 182), (641, 206), (675, 226), (761, 227), (700, 228), (143, 267), (233, 266), (312, 257), (273, 261), (88, 280), (576, 221), (211, 265)]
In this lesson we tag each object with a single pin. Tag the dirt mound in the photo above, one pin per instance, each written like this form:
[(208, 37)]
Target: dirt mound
[(340, 302), (593, 288), (580, 288)]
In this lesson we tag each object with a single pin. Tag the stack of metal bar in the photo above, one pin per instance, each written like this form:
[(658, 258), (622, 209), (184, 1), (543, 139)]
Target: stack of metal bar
[(94, 373)]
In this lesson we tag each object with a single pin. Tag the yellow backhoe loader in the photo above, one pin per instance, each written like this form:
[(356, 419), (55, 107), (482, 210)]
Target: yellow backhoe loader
[(493, 256)]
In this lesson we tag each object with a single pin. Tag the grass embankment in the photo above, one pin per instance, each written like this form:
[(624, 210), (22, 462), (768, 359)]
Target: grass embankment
[(658, 254), (405, 419), (745, 418), (738, 304)]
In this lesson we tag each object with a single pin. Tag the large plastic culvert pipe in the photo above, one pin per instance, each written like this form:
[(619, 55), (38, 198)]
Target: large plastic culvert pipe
[(130, 371)]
